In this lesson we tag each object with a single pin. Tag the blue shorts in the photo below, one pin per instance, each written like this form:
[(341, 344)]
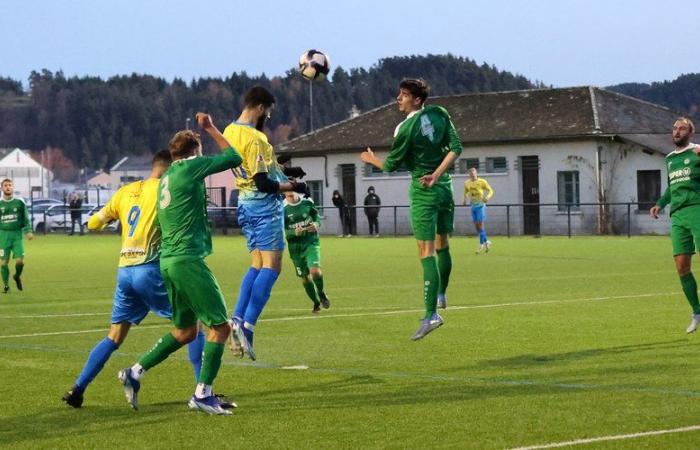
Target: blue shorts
[(140, 289), (478, 213), (262, 223)]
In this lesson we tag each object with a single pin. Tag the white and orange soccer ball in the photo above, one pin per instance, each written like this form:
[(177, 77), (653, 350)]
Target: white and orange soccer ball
[(314, 65)]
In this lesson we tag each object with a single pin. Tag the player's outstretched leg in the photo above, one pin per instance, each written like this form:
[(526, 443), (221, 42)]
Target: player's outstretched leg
[(5, 271), (310, 289), (236, 321), (317, 279), (204, 398), (258, 299), (194, 353), (96, 360), (19, 268), (431, 284), (690, 289)]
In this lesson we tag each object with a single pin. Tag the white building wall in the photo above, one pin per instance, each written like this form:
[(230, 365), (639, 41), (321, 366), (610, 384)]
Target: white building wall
[(553, 157), (25, 173)]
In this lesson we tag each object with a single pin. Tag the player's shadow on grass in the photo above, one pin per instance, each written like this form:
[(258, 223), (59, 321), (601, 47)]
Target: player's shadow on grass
[(530, 360), (89, 423)]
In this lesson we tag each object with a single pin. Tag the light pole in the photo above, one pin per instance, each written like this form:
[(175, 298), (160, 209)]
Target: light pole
[(311, 106)]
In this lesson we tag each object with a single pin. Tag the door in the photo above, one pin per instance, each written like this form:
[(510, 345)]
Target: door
[(530, 169), (347, 176)]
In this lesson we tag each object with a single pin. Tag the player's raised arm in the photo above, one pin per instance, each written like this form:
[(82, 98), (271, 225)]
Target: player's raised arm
[(108, 213), (489, 191), (205, 166)]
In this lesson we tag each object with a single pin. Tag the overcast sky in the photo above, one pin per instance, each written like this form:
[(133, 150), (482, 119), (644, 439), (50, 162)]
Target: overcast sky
[(560, 42)]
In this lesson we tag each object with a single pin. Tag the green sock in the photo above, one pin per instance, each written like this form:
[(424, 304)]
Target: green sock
[(431, 284), (318, 281), (163, 348), (211, 361), (444, 261), (311, 291), (18, 269), (5, 274), (690, 289)]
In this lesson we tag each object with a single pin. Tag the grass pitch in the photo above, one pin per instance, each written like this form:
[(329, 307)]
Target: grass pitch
[(545, 340)]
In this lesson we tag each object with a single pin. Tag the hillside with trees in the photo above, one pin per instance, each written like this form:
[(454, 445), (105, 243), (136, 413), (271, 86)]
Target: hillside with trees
[(94, 122), (681, 94)]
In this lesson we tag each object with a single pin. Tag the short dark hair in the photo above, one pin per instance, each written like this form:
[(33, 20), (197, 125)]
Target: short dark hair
[(6, 180), (183, 144), (258, 95), (162, 158), (418, 87)]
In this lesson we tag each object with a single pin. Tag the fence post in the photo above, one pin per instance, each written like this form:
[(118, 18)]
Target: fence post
[(98, 196), (629, 220), (44, 222), (225, 214), (508, 220), (568, 219), (394, 220)]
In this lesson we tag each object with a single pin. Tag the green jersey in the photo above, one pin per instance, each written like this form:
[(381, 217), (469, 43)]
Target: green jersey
[(422, 141), (14, 215), (683, 179), (182, 204), (300, 215)]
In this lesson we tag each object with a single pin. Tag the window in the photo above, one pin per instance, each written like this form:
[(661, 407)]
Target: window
[(648, 188), (468, 163), (497, 164), (316, 189), (568, 190)]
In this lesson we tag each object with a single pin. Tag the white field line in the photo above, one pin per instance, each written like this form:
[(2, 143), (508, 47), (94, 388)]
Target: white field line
[(618, 437), (382, 313)]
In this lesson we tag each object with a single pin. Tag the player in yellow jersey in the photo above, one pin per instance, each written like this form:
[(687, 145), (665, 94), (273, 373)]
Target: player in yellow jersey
[(140, 287), (261, 181), (479, 192)]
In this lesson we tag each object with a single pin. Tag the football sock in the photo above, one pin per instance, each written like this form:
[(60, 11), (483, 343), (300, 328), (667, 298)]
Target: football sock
[(18, 269), (318, 281), (690, 289), (163, 348), (96, 360), (244, 293), (444, 261), (194, 351), (203, 390), (483, 234), (431, 284), (310, 289), (260, 295), (5, 274), (211, 361)]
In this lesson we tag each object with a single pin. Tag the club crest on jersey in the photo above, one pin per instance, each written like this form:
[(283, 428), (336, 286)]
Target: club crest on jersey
[(686, 161)]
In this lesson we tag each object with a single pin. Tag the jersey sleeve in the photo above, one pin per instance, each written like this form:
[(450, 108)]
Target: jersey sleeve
[(398, 151), (488, 189), (204, 166), (313, 213), (665, 199), (255, 157), (107, 214), (26, 220), (452, 140)]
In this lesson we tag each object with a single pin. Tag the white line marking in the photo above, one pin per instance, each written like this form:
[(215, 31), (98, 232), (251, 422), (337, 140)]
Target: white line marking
[(609, 438), (382, 313)]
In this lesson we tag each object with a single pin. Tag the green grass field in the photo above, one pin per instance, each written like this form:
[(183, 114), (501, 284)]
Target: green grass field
[(545, 340)]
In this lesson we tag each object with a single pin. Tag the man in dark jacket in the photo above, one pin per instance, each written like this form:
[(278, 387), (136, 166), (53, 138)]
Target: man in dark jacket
[(76, 212), (372, 203)]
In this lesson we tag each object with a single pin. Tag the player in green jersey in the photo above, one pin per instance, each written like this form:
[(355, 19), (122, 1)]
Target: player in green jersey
[(193, 291), (683, 194), (427, 144), (301, 225), (14, 223)]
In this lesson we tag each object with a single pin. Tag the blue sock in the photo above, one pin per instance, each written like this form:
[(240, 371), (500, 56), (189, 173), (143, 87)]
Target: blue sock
[(245, 291), (194, 349), (483, 236), (261, 293), (96, 360)]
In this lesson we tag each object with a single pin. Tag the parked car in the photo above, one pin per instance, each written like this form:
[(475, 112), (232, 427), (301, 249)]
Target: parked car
[(49, 217)]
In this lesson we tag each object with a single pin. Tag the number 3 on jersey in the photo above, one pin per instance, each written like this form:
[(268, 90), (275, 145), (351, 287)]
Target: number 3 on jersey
[(164, 192), (133, 218)]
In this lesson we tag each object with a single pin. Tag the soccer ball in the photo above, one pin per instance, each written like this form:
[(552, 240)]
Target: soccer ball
[(314, 65)]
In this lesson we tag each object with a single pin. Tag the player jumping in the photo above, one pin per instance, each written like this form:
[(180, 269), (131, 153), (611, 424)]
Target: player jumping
[(140, 287), (479, 192), (426, 143), (683, 194), (260, 180), (186, 240), (14, 223), (301, 224)]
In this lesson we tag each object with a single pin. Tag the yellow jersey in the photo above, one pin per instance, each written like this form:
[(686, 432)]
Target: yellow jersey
[(258, 157), (134, 205), (478, 190)]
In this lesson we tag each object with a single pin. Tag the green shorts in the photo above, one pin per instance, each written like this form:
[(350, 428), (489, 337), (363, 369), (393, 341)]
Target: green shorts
[(685, 230), (432, 210), (193, 291), (11, 243), (305, 258)]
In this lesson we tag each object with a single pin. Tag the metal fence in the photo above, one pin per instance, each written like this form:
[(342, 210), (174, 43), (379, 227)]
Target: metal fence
[(516, 219)]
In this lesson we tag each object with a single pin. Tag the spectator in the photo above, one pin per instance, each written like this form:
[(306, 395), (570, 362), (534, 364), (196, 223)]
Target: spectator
[(344, 214), (76, 212), (372, 202)]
